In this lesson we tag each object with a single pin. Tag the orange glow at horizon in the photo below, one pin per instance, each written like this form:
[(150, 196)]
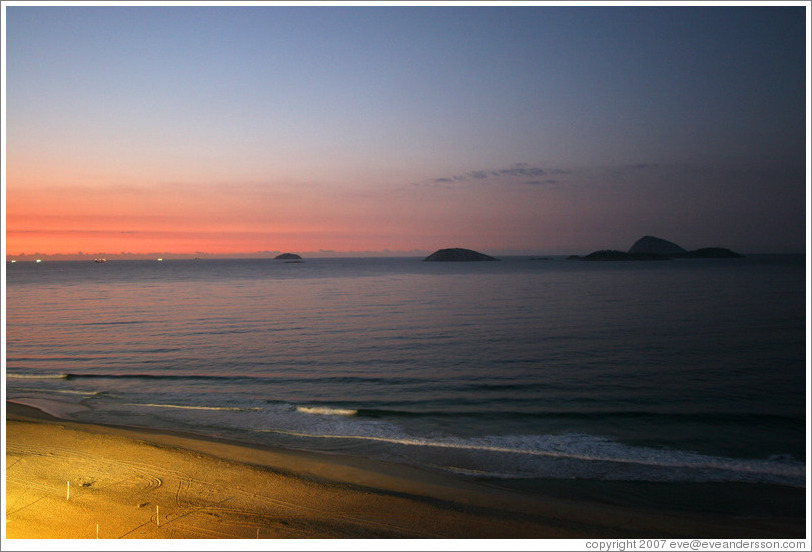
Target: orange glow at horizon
[(178, 218), (244, 218)]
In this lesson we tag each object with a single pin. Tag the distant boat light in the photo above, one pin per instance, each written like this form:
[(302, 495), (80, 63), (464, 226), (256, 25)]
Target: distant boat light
[(160, 259), (13, 261), (39, 260)]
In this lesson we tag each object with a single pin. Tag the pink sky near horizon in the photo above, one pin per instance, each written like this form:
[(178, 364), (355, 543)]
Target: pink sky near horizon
[(223, 218)]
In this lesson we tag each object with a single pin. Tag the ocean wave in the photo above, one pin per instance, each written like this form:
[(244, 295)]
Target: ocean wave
[(57, 391), (37, 376), (156, 376), (274, 378), (590, 457), (75, 376), (596, 415), (193, 407), (326, 411)]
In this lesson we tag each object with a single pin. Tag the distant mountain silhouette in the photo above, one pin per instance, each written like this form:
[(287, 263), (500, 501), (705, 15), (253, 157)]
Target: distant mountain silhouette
[(288, 257), (455, 254)]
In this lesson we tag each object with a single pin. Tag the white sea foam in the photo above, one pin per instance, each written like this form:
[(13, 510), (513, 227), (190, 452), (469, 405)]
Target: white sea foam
[(36, 376), (189, 407), (589, 450), (326, 411), (58, 391)]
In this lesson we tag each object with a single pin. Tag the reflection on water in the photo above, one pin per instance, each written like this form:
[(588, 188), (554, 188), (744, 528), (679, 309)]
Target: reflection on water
[(699, 357)]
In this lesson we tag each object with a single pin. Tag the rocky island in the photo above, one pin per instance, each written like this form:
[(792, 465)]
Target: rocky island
[(711, 253), (649, 248), (455, 254), (288, 257), (649, 245), (615, 255)]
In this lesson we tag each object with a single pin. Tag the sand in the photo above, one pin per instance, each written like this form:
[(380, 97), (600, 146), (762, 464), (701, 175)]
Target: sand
[(130, 483)]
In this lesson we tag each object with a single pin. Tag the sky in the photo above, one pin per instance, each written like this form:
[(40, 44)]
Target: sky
[(217, 130)]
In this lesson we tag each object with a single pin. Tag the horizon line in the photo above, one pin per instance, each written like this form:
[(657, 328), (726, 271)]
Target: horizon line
[(270, 255), (253, 255)]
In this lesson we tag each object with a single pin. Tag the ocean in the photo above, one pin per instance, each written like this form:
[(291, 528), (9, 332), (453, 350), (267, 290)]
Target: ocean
[(681, 371)]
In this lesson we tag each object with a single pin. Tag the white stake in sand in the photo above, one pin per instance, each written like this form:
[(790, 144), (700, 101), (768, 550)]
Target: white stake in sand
[(67, 496), (97, 530), (157, 519)]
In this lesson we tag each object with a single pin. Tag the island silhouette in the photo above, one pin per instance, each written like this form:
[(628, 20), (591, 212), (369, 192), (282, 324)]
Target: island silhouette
[(457, 254), (650, 248)]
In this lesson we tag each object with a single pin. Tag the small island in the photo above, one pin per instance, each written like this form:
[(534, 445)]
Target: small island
[(614, 255), (710, 253), (457, 254), (649, 245), (649, 248), (288, 257)]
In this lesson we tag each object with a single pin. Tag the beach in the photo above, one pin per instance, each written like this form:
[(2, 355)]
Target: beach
[(68, 480)]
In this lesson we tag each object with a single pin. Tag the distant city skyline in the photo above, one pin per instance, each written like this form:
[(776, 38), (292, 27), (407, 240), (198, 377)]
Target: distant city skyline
[(337, 130)]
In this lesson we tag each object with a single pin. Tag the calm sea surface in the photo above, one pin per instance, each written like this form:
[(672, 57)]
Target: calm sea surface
[(684, 370)]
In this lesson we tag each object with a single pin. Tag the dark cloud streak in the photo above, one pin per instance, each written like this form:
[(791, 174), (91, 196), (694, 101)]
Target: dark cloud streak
[(519, 170)]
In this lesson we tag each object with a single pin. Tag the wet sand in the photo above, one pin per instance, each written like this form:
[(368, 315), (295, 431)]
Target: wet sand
[(141, 484)]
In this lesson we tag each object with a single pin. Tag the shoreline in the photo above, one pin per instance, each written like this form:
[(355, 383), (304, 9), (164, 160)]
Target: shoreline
[(202, 487)]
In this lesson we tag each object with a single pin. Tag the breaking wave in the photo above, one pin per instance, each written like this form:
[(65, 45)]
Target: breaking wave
[(326, 411), (37, 376), (581, 456), (192, 407)]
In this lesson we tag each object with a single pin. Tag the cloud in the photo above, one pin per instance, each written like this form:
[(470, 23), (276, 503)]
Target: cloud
[(517, 171), (547, 182), (520, 171)]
